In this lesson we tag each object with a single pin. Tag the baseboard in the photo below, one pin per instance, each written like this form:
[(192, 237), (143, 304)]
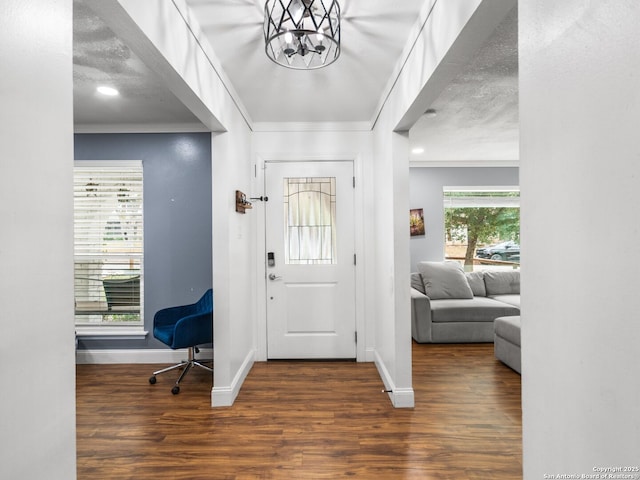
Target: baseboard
[(403, 398), (400, 397), (159, 355), (225, 396), (369, 355)]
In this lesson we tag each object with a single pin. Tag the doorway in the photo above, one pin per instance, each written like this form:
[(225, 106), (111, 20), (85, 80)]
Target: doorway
[(310, 257)]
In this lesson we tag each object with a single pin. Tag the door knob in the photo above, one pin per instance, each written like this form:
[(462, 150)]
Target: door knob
[(272, 276)]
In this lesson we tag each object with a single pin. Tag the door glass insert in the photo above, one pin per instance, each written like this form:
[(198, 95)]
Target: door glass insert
[(310, 220)]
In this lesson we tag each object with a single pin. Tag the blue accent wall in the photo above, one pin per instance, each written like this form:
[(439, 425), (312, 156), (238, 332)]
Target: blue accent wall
[(425, 191), (177, 217)]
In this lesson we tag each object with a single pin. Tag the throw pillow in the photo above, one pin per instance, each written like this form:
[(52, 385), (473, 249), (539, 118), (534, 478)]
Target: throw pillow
[(444, 280), (476, 282)]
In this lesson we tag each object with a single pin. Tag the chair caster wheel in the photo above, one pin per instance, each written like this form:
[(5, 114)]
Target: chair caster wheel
[(152, 379), (175, 390)]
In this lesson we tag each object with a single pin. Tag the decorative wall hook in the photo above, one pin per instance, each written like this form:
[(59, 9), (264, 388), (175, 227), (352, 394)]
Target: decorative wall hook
[(241, 202)]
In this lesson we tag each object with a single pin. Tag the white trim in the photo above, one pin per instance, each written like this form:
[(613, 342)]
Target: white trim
[(105, 332), (225, 396), (369, 354), (463, 163), (312, 127), (387, 380), (207, 49), (400, 397), (260, 266), (273, 157), (359, 238), (412, 39), (262, 160), (113, 356), (140, 128), (403, 398)]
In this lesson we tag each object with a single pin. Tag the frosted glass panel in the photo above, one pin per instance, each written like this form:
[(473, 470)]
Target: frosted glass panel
[(310, 220)]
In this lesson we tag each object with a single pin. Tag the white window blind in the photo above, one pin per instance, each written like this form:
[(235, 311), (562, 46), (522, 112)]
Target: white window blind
[(108, 242), (487, 197)]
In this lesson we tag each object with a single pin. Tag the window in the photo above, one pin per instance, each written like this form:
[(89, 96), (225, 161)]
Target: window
[(310, 220), (482, 226), (108, 243)]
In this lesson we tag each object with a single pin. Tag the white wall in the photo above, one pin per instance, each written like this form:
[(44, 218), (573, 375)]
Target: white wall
[(580, 178), (391, 267), (234, 238), (37, 362)]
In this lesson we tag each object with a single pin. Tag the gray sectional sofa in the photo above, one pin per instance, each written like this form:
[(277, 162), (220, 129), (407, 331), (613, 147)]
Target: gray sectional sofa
[(451, 306), (506, 342)]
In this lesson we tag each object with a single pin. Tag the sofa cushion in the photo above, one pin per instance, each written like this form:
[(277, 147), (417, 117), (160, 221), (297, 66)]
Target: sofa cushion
[(510, 299), (417, 283), (502, 283), (508, 328), (444, 280), (477, 309), (476, 282)]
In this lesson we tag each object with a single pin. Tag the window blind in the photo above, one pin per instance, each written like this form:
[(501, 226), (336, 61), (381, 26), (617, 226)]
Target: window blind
[(461, 197), (108, 242)]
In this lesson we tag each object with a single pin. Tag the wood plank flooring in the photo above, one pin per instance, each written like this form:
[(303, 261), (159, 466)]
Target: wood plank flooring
[(305, 420)]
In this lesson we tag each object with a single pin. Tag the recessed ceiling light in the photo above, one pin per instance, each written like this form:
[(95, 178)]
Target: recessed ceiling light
[(417, 150), (108, 91), (430, 112)]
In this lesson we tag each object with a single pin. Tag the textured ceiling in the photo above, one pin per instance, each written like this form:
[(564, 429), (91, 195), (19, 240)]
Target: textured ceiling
[(100, 58), (477, 113)]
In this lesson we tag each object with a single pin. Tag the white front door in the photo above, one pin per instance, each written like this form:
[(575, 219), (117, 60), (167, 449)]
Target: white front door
[(310, 258)]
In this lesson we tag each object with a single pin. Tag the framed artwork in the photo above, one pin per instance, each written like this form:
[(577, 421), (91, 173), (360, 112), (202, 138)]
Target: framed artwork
[(416, 222)]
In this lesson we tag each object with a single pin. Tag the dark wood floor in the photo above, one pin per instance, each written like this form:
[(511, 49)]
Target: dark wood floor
[(305, 420)]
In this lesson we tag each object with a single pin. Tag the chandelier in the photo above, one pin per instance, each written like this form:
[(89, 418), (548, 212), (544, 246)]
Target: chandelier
[(302, 34)]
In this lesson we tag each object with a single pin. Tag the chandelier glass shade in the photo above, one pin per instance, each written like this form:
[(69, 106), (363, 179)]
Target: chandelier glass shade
[(302, 34)]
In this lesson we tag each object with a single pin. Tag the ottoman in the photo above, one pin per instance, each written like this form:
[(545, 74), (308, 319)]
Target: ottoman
[(506, 341)]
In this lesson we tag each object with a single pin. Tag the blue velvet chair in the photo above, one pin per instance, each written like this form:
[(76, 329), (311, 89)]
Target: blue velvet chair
[(185, 326)]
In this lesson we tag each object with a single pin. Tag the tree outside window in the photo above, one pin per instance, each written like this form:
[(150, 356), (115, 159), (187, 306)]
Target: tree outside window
[(480, 218)]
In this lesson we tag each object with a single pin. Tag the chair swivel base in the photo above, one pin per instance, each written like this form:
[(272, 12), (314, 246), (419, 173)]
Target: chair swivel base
[(186, 365)]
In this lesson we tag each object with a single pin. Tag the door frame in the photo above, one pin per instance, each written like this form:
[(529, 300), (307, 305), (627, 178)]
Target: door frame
[(364, 351)]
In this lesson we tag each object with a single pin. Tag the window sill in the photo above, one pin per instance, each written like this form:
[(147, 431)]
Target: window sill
[(107, 333)]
